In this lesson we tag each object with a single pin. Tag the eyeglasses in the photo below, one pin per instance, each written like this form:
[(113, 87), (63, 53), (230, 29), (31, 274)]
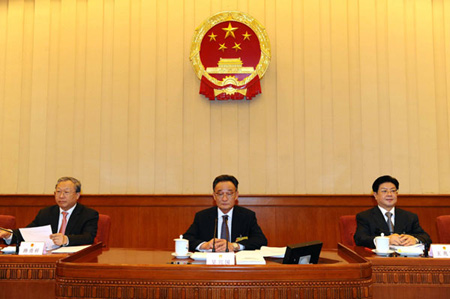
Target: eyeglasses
[(65, 193), (227, 194), (386, 191)]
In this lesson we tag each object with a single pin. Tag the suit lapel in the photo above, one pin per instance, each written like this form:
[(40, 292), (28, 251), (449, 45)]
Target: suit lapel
[(235, 224), (400, 222), (54, 219), (73, 219), (213, 225)]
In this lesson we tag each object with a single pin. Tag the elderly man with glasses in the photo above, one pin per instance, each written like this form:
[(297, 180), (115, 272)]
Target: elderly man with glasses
[(226, 226), (402, 227)]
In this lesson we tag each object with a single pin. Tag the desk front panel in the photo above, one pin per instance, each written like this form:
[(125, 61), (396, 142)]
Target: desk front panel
[(28, 276), (131, 273), (408, 277)]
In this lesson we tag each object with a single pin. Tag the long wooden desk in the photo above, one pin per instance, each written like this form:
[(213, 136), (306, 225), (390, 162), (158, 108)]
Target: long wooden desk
[(139, 273), (408, 277)]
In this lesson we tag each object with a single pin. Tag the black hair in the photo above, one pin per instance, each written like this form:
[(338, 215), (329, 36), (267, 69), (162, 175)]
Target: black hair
[(384, 179), (225, 178)]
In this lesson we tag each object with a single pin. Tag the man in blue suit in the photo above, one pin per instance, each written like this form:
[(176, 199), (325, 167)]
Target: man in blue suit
[(236, 223), (402, 227)]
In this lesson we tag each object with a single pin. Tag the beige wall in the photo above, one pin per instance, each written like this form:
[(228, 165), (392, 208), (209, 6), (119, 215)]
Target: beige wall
[(104, 91)]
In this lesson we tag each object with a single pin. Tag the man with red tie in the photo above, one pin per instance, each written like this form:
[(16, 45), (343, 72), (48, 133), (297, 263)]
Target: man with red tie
[(72, 223)]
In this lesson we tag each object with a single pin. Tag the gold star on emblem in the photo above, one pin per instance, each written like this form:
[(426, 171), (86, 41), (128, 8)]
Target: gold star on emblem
[(222, 47), (237, 46), (246, 35), (230, 30), (212, 36)]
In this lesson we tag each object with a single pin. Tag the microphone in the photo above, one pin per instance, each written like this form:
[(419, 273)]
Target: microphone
[(14, 234), (215, 234)]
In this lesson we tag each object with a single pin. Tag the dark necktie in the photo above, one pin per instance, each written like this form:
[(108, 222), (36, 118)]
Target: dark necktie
[(389, 222), (224, 234)]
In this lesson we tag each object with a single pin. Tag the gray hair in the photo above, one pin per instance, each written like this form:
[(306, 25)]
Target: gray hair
[(73, 180)]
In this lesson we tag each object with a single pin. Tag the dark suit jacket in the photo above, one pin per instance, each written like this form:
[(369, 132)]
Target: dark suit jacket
[(371, 223), (81, 228), (243, 224)]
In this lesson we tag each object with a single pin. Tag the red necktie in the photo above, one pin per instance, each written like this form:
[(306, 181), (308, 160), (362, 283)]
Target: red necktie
[(62, 230)]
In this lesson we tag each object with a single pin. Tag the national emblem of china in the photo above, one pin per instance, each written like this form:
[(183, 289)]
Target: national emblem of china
[(230, 53)]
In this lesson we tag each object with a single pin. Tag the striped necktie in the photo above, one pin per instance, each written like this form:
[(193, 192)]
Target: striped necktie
[(389, 222)]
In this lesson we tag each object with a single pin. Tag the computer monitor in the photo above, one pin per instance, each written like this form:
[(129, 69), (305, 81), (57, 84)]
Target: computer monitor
[(303, 253)]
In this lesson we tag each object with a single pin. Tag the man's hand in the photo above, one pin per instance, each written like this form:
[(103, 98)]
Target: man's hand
[(402, 240), (221, 245), (59, 239), (4, 234), (407, 240)]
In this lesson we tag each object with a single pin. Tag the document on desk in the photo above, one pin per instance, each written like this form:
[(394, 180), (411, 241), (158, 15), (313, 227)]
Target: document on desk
[(38, 234), (249, 257), (70, 249), (413, 250), (275, 252)]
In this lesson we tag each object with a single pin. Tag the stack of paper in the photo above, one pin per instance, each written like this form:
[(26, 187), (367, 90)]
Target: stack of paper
[(249, 257), (70, 249), (199, 256), (9, 249), (276, 252), (414, 250)]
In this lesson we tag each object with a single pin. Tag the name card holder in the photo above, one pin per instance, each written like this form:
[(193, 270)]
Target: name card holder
[(440, 251), (220, 258), (31, 248)]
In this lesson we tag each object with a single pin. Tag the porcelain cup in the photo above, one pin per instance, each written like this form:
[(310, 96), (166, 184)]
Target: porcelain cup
[(181, 246), (381, 244)]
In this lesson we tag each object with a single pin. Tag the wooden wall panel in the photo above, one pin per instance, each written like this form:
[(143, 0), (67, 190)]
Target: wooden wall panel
[(104, 91), (153, 221)]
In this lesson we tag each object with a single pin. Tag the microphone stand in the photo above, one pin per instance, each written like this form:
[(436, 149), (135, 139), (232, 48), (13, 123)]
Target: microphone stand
[(214, 237), (15, 235)]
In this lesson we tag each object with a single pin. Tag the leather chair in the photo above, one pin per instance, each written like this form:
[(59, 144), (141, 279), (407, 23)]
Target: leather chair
[(104, 226), (443, 228), (347, 228), (7, 221)]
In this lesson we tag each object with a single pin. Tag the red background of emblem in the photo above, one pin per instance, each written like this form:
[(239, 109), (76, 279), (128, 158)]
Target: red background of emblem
[(250, 53)]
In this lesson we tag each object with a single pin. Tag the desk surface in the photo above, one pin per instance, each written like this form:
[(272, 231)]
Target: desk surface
[(139, 273)]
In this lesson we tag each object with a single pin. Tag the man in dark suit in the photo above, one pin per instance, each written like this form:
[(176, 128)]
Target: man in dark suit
[(402, 227), (236, 223), (72, 223)]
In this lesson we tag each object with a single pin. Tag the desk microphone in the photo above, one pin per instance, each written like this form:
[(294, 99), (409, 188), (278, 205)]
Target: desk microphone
[(214, 237), (14, 234)]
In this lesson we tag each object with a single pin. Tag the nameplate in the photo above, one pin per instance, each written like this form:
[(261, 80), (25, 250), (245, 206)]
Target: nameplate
[(31, 248), (220, 258), (440, 251)]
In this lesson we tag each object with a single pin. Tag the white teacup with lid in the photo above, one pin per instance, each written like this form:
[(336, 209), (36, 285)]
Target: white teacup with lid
[(381, 243), (181, 246)]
